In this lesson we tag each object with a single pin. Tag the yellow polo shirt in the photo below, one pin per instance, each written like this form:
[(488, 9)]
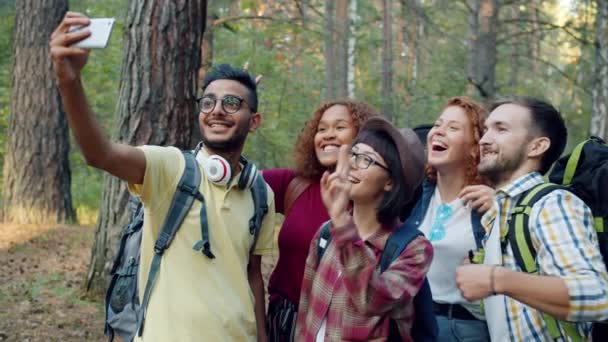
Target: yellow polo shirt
[(196, 298)]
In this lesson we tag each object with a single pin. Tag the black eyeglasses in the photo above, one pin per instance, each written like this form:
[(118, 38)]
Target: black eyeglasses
[(230, 103), (363, 161)]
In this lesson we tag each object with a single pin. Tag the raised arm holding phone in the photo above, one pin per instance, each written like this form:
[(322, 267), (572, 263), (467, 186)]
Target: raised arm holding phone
[(195, 297)]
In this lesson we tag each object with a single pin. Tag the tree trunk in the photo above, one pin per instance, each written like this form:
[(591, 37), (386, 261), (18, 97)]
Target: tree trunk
[(387, 61), (329, 51), (599, 115), (483, 22), (341, 40), (411, 28), (161, 58), (207, 45), (352, 42), (36, 166)]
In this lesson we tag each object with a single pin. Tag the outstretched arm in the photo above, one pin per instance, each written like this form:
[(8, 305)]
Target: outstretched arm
[(123, 161), (254, 272)]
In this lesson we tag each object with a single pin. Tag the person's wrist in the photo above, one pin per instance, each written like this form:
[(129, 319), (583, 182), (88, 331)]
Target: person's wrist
[(67, 82), (340, 220), (492, 280), (498, 276)]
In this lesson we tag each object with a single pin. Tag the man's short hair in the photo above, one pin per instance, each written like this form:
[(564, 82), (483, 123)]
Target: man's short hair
[(228, 72), (546, 121)]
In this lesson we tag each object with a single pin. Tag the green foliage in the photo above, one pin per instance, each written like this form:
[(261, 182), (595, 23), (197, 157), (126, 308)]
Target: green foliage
[(288, 52)]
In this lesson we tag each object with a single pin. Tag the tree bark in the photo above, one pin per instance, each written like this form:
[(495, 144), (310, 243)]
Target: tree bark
[(207, 45), (329, 51), (599, 95), (411, 29), (36, 167), (483, 22), (161, 59), (387, 61), (352, 43), (341, 40)]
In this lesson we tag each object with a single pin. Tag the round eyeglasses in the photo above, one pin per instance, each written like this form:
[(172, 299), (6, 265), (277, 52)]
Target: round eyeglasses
[(363, 161), (230, 103)]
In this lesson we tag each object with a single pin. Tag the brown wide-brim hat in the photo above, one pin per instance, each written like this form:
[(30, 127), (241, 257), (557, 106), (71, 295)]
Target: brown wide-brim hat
[(411, 152)]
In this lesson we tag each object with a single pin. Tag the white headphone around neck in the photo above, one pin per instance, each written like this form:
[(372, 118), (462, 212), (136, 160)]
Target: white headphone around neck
[(218, 170)]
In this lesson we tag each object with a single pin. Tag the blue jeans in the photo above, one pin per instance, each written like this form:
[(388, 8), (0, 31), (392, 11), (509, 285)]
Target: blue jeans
[(460, 330)]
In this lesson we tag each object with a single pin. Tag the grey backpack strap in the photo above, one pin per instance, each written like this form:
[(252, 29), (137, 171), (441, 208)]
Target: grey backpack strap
[(186, 193), (260, 208)]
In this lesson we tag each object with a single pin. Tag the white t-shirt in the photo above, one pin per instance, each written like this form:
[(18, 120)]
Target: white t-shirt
[(449, 252)]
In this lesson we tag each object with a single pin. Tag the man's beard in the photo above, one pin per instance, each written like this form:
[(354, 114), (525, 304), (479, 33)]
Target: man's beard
[(232, 144), (502, 169)]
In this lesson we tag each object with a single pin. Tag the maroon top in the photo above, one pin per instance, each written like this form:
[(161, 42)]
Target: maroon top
[(305, 217)]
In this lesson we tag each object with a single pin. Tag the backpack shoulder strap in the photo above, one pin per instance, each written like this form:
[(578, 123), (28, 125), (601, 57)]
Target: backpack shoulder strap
[(478, 231), (295, 188), (519, 230), (324, 240), (260, 208), (395, 244), (184, 196), (523, 250)]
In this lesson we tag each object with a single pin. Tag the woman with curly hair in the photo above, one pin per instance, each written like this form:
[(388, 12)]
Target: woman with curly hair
[(449, 211), (298, 197)]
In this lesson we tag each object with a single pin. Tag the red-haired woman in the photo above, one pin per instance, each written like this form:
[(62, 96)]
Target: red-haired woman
[(449, 212), (298, 196)]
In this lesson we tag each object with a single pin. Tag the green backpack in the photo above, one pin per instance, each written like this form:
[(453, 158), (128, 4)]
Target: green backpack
[(584, 173)]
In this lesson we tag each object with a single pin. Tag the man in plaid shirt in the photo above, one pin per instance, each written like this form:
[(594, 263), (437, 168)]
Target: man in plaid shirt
[(524, 137)]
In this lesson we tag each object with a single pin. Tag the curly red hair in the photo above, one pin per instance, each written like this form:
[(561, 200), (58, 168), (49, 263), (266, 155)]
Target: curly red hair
[(306, 163), (477, 115)]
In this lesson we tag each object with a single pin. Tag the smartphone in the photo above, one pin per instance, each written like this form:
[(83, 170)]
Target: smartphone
[(100, 33)]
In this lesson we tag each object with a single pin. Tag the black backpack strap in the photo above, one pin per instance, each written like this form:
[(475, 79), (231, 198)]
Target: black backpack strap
[(260, 208), (478, 232), (324, 240), (187, 191), (395, 244), (519, 230), (424, 327)]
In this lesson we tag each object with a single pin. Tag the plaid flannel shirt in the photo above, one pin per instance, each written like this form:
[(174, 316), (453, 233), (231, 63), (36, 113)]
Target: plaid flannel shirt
[(347, 289), (562, 233)]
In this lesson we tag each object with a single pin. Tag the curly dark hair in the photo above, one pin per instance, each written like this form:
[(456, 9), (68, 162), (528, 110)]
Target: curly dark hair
[(477, 114), (306, 163)]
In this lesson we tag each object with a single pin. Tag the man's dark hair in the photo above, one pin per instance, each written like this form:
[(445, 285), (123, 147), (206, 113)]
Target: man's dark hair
[(228, 72), (394, 201), (546, 121)]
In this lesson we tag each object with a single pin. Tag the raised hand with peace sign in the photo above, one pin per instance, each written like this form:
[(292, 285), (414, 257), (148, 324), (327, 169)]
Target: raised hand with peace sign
[(335, 189)]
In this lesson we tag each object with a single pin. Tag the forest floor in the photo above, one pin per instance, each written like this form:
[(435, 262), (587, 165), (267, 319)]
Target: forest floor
[(41, 273)]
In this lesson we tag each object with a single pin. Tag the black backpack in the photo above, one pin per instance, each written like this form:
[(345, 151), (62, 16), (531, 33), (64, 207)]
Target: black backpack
[(425, 327), (125, 313), (585, 173)]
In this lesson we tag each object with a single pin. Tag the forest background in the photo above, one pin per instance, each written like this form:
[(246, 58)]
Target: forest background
[(405, 57)]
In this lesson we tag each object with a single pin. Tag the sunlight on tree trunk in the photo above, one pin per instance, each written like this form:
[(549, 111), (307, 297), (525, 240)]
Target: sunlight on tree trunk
[(36, 166), (161, 58), (387, 61), (599, 115), (352, 42)]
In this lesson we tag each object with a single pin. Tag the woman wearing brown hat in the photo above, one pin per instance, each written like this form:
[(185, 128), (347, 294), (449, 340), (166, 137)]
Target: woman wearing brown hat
[(298, 196), (449, 212), (343, 296)]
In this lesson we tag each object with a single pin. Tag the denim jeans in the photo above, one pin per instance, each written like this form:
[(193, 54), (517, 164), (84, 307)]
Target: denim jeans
[(460, 330)]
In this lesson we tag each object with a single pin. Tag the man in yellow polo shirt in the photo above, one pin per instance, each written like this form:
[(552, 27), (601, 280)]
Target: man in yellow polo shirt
[(194, 297)]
